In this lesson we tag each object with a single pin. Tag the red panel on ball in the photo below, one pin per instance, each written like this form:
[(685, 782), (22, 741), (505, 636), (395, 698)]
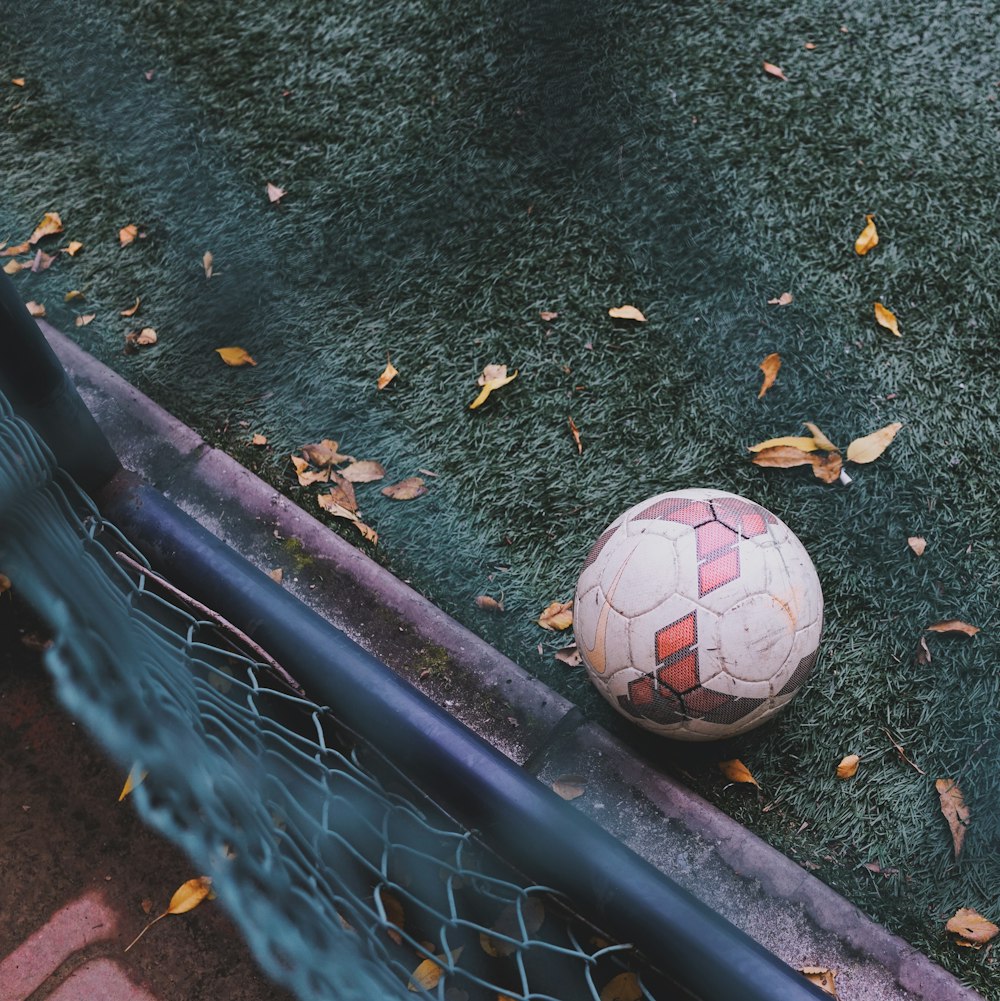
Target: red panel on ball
[(721, 570), (680, 675), (714, 537), (686, 512), (640, 691), (676, 637)]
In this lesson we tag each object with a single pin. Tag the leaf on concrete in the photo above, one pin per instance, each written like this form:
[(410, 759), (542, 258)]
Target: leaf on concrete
[(871, 446), (848, 766), (955, 811), (408, 489), (769, 366), (133, 309), (917, 544), (822, 977), (557, 615), (867, 238), (971, 928), (736, 771), (774, 71), (626, 313), (186, 898), (953, 626), (363, 472), (235, 356), (277, 575), (127, 234), (50, 224), (388, 374), (622, 987), (886, 318), (135, 777), (569, 786)]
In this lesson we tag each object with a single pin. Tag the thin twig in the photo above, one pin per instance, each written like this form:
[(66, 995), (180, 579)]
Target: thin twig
[(901, 752), (222, 623)]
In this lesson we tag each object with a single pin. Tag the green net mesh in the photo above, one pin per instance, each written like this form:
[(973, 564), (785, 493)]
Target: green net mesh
[(346, 881)]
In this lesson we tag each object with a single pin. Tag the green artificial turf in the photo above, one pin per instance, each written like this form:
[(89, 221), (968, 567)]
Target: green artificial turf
[(451, 170)]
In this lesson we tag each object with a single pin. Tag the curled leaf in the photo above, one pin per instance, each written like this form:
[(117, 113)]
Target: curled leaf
[(235, 356), (557, 615), (82, 321), (955, 811), (72, 295), (334, 507), (146, 336), (867, 238), (390, 372), (769, 366), (569, 786), (917, 544), (821, 439), (848, 766), (274, 193), (801, 443), (363, 472), (133, 309), (736, 771), (575, 432), (923, 654), (886, 318), (626, 313), (41, 261), (493, 377), (774, 71), (325, 453), (871, 446), (972, 929), (408, 489), (826, 466), (954, 626), (127, 234), (21, 248), (50, 224)]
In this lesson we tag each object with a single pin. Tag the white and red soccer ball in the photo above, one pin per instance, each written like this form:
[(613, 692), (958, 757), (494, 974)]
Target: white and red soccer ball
[(698, 614)]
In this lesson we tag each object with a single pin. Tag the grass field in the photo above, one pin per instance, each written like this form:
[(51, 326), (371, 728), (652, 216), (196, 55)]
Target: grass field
[(453, 169)]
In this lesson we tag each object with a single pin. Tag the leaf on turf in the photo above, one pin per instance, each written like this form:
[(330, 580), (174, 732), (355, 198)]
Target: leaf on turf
[(769, 366), (333, 507), (821, 439), (848, 766), (72, 295), (774, 71), (206, 263), (548, 315), (822, 977), (782, 300), (18, 81), (569, 655), (867, 238), (50, 224), (408, 489), (971, 928), (367, 531), (388, 374), (871, 446), (82, 321), (923, 654), (575, 432), (886, 318), (557, 615), (146, 336), (531, 911), (186, 898), (428, 974), (135, 777), (802, 444), (493, 377), (274, 193), (363, 472), (622, 987), (41, 261), (12, 267), (127, 234), (258, 439), (955, 811), (325, 453), (954, 626), (307, 476), (235, 356), (133, 309), (21, 248), (736, 771), (35, 308), (626, 313), (489, 604), (569, 786), (826, 466), (917, 544), (74, 247)]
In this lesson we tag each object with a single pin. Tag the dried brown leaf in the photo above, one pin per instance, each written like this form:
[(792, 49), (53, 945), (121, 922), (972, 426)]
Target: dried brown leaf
[(74, 247), (307, 476), (82, 321), (12, 267), (569, 786), (367, 531), (274, 193), (258, 439), (277, 575), (428, 974), (146, 336), (871, 446), (575, 432), (408, 489), (867, 238), (325, 453), (953, 626), (569, 655), (35, 308), (972, 929), (769, 366), (18, 81), (557, 615), (821, 439), (626, 313), (774, 71), (736, 771), (489, 604), (955, 811), (330, 504), (235, 356), (917, 544), (848, 766), (826, 466), (127, 234), (133, 309), (187, 897), (886, 318), (388, 374), (923, 654), (822, 977), (50, 224), (21, 248), (801, 443), (622, 987), (72, 295), (363, 472)]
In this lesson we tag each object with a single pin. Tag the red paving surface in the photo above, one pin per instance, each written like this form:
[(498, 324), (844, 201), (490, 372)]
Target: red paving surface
[(78, 870)]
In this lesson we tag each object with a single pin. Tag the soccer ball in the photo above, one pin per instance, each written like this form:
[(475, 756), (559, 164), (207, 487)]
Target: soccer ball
[(698, 614)]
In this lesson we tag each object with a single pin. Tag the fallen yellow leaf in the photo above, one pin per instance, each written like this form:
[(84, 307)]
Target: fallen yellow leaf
[(623, 987), (569, 787), (867, 238), (775, 71), (127, 234), (848, 767), (363, 472), (235, 356), (82, 321), (186, 898), (886, 318), (428, 974), (73, 294), (972, 929), (389, 373), (493, 377), (258, 439), (871, 446), (802, 444), (133, 309), (821, 439), (35, 308), (74, 247), (307, 476), (489, 604), (557, 615), (367, 531), (508, 924), (626, 313), (135, 777), (408, 489), (917, 544), (12, 267), (575, 432), (736, 771), (826, 466), (783, 300), (18, 81), (954, 626), (822, 977), (274, 193), (206, 263), (955, 811), (769, 366), (50, 224), (21, 248)]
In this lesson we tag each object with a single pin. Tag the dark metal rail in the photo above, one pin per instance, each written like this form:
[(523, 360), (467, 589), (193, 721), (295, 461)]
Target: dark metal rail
[(521, 819)]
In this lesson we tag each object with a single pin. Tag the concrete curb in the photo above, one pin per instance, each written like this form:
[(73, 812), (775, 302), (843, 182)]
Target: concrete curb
[(763, 892)]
